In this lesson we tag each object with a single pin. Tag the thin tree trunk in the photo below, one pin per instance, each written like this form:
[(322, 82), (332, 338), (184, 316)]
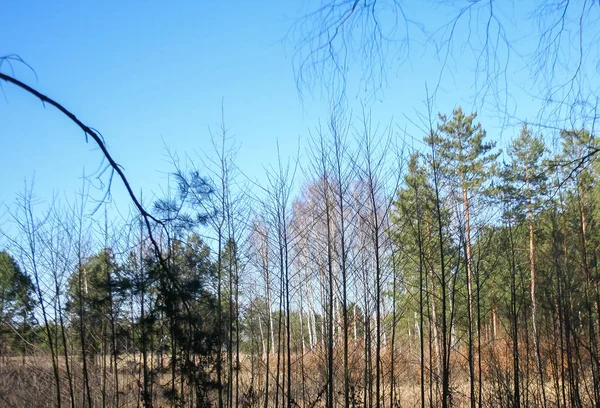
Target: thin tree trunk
[(514, 325), (536, 338), (588, 300), (469, 270), (421, 288), (445, 345)]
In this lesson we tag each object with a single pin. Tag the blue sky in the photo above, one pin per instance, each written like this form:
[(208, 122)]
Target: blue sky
[(150, 74), (145, 75)]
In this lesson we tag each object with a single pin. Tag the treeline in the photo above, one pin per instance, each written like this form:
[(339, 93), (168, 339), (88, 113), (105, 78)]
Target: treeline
[(372, 275)]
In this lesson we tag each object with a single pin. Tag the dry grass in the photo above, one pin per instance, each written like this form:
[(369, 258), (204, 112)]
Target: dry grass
[(29, 382)]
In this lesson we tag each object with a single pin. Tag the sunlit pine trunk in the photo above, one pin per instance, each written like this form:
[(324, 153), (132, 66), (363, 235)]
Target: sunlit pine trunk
[(588, 287), (468, 266), (536, 338)]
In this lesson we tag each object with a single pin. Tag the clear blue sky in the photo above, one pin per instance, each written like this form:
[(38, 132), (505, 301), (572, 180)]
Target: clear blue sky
[(152, 73), (145, 74)]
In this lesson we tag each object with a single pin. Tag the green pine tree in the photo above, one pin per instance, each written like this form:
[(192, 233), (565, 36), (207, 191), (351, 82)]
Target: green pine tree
[(469, 163)]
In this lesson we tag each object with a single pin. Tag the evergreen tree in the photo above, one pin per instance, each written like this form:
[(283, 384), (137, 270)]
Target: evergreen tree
[(526, 179), (469, 163), (88, 290), (16, 303)]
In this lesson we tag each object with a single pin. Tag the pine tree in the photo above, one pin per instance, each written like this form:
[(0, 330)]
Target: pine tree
[(577, 147), (16, 301), (527, 180), (468, 161)]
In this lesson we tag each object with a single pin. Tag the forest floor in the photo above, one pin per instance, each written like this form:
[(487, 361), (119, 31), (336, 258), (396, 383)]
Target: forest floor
[(29, 382)]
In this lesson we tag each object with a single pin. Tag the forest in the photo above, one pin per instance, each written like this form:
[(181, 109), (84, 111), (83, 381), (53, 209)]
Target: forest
[(372, 269), (443, 276)]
